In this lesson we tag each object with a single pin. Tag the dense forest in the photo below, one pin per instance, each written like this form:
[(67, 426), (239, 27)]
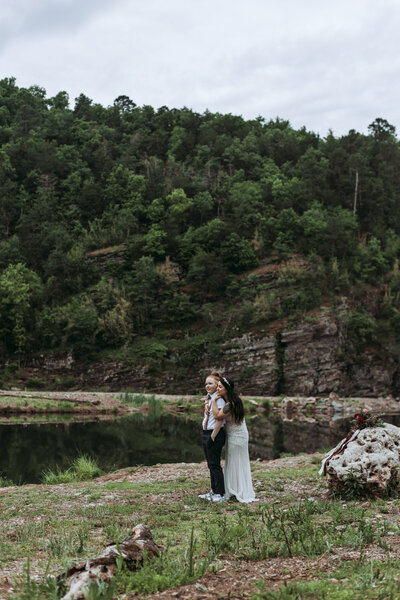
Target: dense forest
[(133, 233)]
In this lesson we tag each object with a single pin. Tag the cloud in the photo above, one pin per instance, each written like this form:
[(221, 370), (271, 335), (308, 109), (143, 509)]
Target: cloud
[(320, 64)]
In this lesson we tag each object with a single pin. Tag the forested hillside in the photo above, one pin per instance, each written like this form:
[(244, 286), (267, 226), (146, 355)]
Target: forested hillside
[(151, 237)]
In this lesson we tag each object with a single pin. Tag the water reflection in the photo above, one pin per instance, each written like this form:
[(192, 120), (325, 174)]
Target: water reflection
[(27, 450)]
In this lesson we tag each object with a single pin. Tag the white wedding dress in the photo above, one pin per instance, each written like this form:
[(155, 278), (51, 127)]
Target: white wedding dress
[(237, 472)]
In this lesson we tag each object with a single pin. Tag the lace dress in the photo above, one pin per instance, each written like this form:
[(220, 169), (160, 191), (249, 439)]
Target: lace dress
[(237, 472)]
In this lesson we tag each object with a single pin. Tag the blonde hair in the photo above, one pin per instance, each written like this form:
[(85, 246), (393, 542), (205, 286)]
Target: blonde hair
[(215, 375)]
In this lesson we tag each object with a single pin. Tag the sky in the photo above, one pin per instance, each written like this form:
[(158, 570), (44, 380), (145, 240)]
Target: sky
[(323, 64)]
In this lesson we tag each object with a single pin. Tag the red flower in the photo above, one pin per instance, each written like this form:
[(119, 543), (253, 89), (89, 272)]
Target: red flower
[(360, 419)]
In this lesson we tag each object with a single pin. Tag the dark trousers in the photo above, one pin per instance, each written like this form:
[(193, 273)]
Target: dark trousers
[(212, 451)]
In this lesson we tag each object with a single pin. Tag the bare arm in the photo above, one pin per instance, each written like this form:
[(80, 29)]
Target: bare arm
[(217, 412)]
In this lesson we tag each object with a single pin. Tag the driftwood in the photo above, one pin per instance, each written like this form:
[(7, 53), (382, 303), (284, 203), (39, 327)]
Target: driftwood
[(132, 550)]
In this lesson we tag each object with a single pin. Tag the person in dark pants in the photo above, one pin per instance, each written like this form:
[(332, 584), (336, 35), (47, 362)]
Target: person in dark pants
[(213, 447)]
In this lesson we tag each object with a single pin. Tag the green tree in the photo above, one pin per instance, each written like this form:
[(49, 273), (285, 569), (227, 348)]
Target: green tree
[(237, 254), (19, 289), (142, 286)]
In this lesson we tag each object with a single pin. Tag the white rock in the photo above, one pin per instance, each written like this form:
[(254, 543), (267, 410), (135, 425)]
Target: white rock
[(373, 457)]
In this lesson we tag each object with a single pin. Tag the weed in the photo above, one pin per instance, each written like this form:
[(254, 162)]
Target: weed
[(100, 590), (48, 589), (69, 544)]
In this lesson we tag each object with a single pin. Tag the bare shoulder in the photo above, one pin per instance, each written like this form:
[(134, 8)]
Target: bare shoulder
[(227, 408)]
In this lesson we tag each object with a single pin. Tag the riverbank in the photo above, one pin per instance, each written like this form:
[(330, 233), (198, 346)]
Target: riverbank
[(294, 538), (28, 402), (96, 404)]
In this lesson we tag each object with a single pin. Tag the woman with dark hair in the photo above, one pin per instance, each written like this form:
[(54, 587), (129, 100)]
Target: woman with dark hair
[(237, 472)]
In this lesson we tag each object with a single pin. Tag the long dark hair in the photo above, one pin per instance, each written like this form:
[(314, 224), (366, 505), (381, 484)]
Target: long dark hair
[(237, 408)]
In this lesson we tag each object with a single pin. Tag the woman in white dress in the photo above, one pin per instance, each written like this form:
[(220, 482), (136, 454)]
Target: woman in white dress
[(237, 472)]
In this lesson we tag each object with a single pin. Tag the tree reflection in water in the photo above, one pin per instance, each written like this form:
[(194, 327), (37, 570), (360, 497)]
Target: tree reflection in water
[(28, 450)]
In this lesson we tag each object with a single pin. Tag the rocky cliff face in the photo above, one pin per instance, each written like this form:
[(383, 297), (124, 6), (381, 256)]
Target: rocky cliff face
[(309, 359)]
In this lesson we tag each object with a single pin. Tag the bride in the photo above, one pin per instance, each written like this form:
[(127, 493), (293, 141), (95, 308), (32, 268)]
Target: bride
[(237, 472)]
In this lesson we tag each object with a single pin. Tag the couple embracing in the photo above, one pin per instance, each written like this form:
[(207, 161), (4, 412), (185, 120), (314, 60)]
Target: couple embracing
[(224, 422)]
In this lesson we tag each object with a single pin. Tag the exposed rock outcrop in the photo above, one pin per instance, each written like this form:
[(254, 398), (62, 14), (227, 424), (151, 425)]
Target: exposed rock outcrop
[(307, 359)]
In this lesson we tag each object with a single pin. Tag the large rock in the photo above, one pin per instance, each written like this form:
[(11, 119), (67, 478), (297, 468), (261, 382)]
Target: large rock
[(373, 457)]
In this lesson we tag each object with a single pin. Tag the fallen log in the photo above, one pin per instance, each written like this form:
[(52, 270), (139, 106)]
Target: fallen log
[(102, 568)]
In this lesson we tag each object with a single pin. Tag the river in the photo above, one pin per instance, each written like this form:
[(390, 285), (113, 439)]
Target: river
[(28, 449)]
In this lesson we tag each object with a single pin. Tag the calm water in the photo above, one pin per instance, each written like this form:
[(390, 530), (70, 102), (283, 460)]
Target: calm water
[(26, 450)]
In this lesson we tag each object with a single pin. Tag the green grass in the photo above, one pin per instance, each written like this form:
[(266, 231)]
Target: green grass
[(83, 468), (36, 404), (364, 580), (59, 526)]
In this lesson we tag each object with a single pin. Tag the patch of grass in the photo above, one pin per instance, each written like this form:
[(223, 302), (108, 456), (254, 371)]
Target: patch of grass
[(5, 482), (121, 485), (68, 544), (48, 589), (168, 570), (366, 580), (36, 405), (194, 534), (83, 468), (133, 399)]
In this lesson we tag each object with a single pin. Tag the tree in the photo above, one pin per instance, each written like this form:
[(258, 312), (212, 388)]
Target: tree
[(124, 104), (246, 206), (373, 262), (381, 129), (142, 286), (237, 254), (19, 287)]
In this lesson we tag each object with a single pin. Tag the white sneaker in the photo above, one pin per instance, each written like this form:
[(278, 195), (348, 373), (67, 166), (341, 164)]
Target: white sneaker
[(208, 496), (218, 498)]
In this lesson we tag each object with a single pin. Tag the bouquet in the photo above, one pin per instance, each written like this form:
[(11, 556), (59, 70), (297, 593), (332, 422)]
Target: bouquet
[(366, 419)]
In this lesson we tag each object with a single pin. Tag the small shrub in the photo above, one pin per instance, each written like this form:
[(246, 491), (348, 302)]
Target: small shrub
[(247, 373), (67, 382), (35, 383), (360, 330), (5, 482)]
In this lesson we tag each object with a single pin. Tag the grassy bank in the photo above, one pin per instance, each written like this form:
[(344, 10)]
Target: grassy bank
[(294, 543)]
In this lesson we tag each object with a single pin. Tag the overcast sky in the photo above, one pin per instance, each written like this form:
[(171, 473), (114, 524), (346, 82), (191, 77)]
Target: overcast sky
[(325, 64)]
